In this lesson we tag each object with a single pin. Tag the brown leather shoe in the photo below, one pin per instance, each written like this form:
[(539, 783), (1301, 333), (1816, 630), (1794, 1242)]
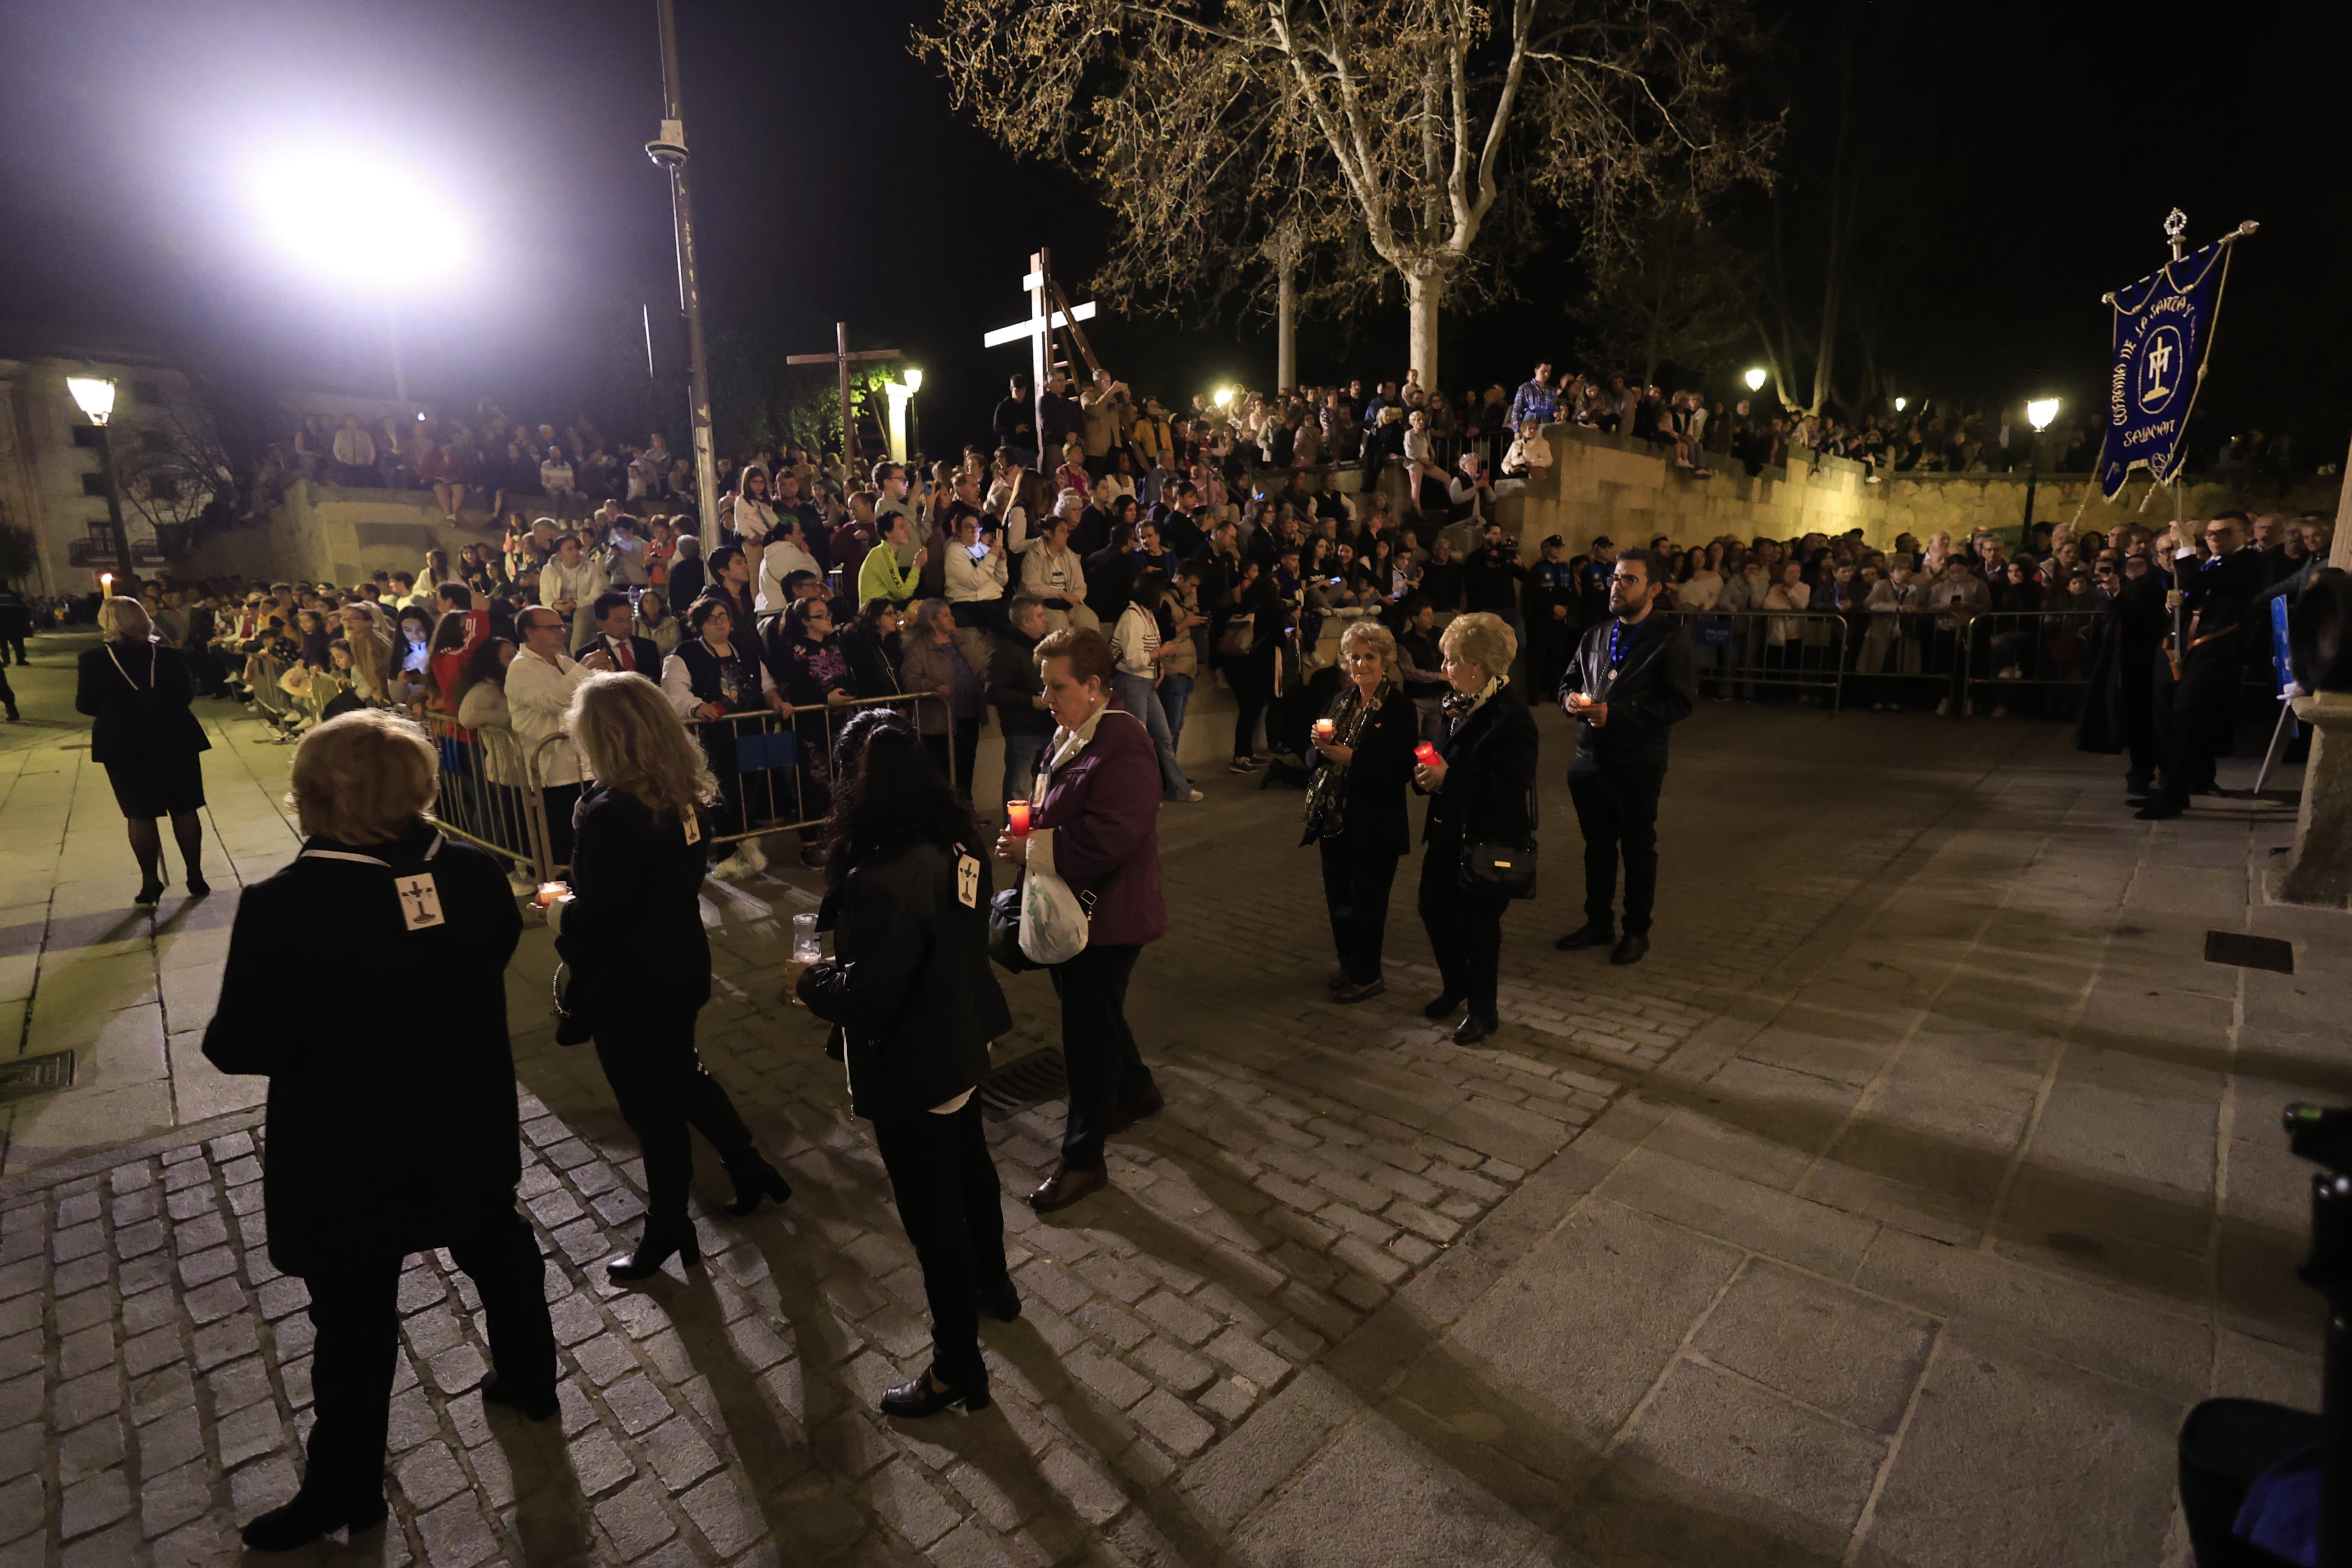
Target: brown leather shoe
[(1065, 1186), (1151, 1104)]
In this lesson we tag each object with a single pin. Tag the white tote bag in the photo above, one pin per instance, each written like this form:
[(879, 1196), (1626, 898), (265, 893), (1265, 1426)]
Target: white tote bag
[(1052, 920)]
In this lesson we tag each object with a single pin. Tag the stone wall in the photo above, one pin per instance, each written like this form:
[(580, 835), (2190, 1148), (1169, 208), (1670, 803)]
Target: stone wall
[(1601, 485), (325, 534)]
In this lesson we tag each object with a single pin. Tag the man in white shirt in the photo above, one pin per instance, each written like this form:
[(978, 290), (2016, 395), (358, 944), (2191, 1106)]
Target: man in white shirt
[(355, 454), (555, 478), (569, 583), (539, 684), (785, 554)]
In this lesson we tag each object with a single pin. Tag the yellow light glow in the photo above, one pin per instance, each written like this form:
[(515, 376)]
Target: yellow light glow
[(1901, 404), (914, 378), (1755, 379), (1224, 397), (2040, 411)]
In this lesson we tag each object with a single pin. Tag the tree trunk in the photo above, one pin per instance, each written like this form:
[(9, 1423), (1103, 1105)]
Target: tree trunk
[(1423, 293), (1286, 325)]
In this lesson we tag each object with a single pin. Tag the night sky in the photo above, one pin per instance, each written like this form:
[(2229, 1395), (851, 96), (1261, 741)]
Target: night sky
[(2022, 159)]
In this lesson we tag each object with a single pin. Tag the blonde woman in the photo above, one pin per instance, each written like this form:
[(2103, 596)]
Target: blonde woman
[(137, 691), (1356, 802), (630, 928), (1479, 788), (346, 1197)]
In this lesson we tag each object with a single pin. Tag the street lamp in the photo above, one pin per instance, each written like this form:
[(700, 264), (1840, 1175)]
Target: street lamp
[(1224, 397), (94, 395), (1755, 379), (914, 419), (2039, 412), (1901, 404)]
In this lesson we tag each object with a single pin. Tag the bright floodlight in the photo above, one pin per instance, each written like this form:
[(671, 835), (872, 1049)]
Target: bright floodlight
[(1901, 404), (1224, 396), (1755, 379), (94, 395), (352, 217), (914, 378), (2040, 411)]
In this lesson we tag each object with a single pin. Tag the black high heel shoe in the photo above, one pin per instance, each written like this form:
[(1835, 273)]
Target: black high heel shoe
[(755, 1180), (197, 887), (652, 1252), (151, 892), (927, 1396)]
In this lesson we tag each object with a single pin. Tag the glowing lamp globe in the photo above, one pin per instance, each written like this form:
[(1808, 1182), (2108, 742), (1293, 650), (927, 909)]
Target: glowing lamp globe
[(1224, 397), (1901, 404), (94, 395), (2040, 411), (1755, 379), (914, 378)]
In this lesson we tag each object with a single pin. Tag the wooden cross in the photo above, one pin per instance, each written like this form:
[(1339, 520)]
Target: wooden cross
[(842, 358), (1039, 328)]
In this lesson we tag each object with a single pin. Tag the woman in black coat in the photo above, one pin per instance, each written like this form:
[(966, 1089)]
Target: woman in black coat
[(1481, 791), (137, 690), (1355, 803), (910, 990), (629, 927), (382, 1139)]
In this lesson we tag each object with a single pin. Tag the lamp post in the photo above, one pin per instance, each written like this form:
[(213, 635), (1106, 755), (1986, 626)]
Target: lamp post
[(668, 150), (914, 419), (95, 396), (2039, 412), (1755, 379)]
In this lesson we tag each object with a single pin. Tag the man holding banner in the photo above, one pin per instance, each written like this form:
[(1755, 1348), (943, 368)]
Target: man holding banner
[(2197, 680)]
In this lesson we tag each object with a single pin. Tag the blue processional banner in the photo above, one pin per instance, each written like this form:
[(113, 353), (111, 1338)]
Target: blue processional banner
[(2164, 326)]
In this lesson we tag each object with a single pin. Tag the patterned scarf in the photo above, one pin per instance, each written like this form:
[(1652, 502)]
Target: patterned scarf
[(1460, 705), (1326, 791)]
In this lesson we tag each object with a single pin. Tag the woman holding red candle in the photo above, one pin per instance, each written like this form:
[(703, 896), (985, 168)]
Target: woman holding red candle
[(1481, 787), (1356, 802), (1093, 823)]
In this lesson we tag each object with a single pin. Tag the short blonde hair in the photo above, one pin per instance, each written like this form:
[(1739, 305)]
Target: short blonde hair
[(1485, 640), (635, 742), (1377, 637), (364, 777), (123, 616)]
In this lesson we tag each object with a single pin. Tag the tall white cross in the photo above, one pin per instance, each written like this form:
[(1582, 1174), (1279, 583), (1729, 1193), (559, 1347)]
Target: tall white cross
[(1039, 329)]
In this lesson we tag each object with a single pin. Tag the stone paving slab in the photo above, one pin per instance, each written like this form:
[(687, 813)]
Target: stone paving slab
[(1924, 1165)]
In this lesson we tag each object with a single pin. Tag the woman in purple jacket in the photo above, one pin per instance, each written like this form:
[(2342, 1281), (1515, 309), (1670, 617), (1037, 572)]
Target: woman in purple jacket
[(1095, 823)]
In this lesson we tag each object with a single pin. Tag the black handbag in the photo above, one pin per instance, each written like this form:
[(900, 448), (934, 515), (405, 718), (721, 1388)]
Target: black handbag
[(1005, 930), (1501, 869)]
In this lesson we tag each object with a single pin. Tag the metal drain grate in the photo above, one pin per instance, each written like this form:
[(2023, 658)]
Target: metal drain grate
[(2249, 951), (1018, 1085), (29, 1076)]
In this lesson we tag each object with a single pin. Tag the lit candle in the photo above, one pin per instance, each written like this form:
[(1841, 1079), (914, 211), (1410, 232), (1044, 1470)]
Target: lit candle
[(1426, 754), (1325, 729), (548, 893), (1016, 813)]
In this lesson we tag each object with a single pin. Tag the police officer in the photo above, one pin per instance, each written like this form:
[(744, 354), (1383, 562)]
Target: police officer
[(1552, 619), (1631, 680), (2195, 688)]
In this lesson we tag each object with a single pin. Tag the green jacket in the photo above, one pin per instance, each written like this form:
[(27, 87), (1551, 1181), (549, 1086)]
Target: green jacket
[(882, 577)]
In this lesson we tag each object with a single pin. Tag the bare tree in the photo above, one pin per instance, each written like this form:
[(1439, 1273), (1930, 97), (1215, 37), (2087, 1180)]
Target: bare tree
[(1675, 292), (172, 467), (1420, 127)]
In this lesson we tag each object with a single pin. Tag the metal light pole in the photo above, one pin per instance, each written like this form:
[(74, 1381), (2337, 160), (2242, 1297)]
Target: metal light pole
[(668, 150), (2039, 412), (95, 396)]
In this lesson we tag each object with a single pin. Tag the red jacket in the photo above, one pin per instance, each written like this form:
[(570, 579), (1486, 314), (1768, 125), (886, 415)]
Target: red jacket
[(1104, 808)]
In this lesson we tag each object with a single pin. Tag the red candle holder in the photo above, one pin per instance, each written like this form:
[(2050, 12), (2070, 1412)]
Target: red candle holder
[(1426, 754), (1016, 817)]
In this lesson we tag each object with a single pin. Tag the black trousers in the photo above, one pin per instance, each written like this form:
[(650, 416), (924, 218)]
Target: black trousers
[(955, 762), (663, 1090), (1106, 1071), (1356, 883), (2194, 714), (1465, 926), (559, 800), (1252, 679), (356, 1306), (1617, 808), (949, 1201), (2225, 1444), (7, 692)]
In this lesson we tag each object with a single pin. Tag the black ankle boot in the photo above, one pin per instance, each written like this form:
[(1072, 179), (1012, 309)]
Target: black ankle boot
[(307, 1517), (756, 1179), (654, 1251)]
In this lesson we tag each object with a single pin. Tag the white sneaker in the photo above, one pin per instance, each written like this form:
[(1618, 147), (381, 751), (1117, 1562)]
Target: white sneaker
[(1194, 797)]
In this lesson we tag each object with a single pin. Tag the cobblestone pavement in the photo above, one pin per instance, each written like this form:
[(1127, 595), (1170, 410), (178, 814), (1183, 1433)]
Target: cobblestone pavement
[(1891, 1213)]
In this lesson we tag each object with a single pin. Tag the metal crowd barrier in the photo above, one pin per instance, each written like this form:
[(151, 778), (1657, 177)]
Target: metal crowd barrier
[(1741, 652), (485, 797), (774, 776), (2031, 648)]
